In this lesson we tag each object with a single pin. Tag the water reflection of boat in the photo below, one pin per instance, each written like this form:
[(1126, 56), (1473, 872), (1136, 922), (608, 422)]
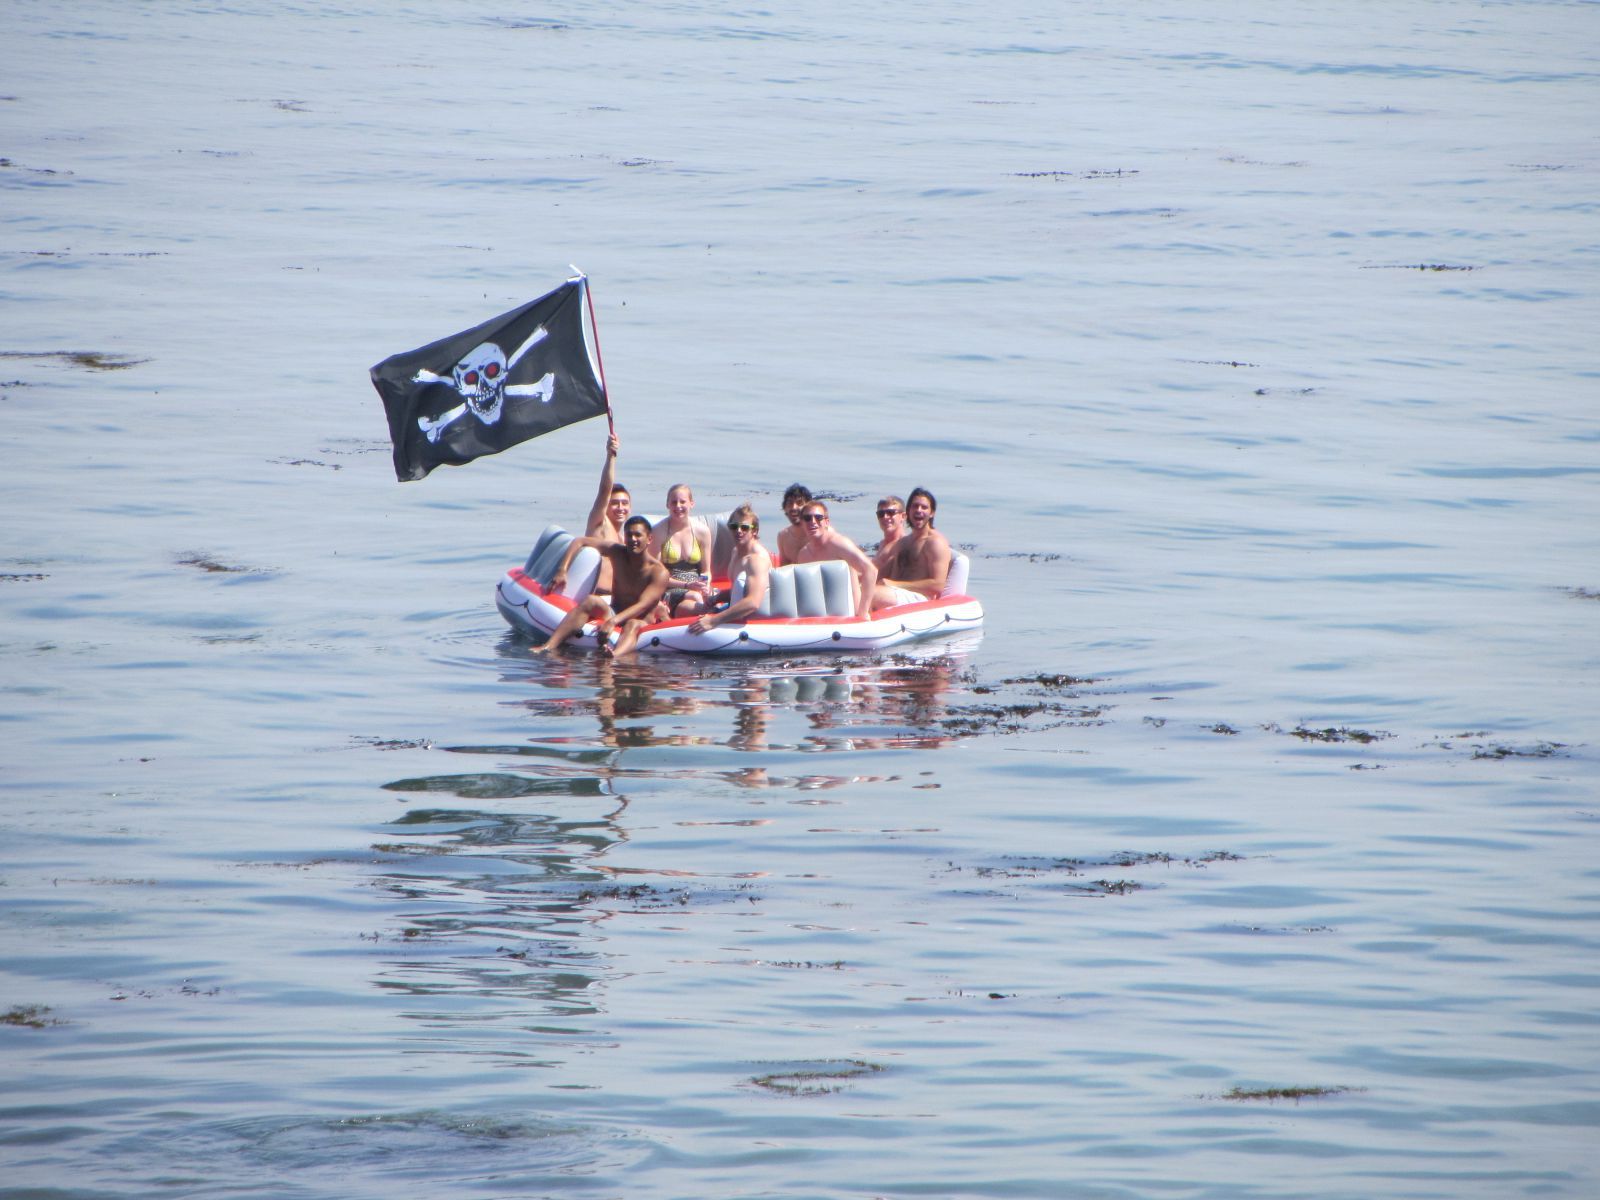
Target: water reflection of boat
[(808, 703), (808, 607)]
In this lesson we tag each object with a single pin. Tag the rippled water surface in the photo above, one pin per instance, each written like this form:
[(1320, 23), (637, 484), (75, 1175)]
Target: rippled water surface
[(1248, 852)]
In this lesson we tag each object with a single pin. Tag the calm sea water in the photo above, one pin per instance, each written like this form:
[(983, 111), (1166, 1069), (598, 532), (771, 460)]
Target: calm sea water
[(1249, 852)]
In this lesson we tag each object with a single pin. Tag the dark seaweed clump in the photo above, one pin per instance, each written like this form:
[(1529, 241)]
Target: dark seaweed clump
[(1537, 750), (1341, 734), (1296, 1094), (817, 1078), (31, 1016)]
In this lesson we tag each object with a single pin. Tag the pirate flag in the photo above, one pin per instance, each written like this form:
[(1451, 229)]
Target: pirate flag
[(478, 392)]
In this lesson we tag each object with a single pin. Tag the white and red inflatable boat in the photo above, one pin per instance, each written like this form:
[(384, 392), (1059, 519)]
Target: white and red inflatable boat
[(808, 606)]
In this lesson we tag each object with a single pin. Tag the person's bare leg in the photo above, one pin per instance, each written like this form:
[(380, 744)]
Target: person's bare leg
[(571, 623), (627, 638)]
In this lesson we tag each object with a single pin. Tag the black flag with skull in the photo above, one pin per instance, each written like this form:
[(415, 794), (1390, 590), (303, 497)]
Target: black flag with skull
[(480, 391)]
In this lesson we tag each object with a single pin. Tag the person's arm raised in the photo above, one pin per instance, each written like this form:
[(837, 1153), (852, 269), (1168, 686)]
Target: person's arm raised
[(608, 477)]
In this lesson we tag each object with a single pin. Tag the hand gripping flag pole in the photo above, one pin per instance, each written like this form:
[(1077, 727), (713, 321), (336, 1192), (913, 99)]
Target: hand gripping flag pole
[(514, 377)]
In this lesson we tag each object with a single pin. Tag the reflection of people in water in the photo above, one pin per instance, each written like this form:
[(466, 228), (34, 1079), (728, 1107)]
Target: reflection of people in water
[(637, 690), (899, 703)]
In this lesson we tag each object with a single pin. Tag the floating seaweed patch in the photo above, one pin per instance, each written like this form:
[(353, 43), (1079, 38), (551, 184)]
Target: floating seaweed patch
[(1042, 174), (1419, 267), (28, 577), (6, 163), (1052, 680), (393, 743), (29, 1016), (1223, 728), (972, 719), (1107, 887), (1578, 593), (1537, 750), (203, 562), (1222, 362), (91, 359), (1033, 556), (644, 897), (1305, 391), (1331, 734), (1296, 1094), (1114, 173), (818, 1077), (1028, 867)]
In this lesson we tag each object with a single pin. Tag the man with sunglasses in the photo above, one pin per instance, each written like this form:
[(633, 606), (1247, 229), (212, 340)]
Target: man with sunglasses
[(892, 527), (638, 581), (823, 542), (920, 561), (751, 560)]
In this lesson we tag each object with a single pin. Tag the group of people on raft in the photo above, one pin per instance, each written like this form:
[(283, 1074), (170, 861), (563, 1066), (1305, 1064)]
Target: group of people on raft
[(651, 573)]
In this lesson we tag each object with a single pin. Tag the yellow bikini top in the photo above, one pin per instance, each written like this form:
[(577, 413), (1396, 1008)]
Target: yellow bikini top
[(670, 555)]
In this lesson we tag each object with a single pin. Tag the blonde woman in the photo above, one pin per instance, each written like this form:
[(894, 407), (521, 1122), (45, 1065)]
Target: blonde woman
[(683, 544)]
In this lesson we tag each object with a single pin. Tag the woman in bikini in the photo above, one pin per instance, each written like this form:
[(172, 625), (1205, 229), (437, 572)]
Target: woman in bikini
[(683, 545)]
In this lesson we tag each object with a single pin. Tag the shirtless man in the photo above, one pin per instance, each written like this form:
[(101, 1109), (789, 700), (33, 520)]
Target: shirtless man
[(823, 542), (892, 524), (921, 558), (612, 504), (750, 558), (791, 539), (638, 581)]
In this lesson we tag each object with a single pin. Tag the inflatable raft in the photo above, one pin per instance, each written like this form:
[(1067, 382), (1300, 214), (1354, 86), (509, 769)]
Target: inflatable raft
[(808, 606)]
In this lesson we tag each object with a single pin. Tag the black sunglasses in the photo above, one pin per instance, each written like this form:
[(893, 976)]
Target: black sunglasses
[(890, 512), (810, 517), (742, 528)]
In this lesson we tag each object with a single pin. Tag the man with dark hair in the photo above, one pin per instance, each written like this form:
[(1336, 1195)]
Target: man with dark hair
[(611, 507), (920, 561), (791, 539), (638, 581)]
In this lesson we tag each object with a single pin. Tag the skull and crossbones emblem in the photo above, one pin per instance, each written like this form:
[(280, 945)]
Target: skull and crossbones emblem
[(479, 378)]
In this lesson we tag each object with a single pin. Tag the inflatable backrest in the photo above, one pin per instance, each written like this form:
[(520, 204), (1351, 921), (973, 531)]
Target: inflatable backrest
[(780, 598), (810, 598), (823, 589), (547, 555), (721, 545), (539, 543), (838, 585), (955, 581), (585, 569)]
